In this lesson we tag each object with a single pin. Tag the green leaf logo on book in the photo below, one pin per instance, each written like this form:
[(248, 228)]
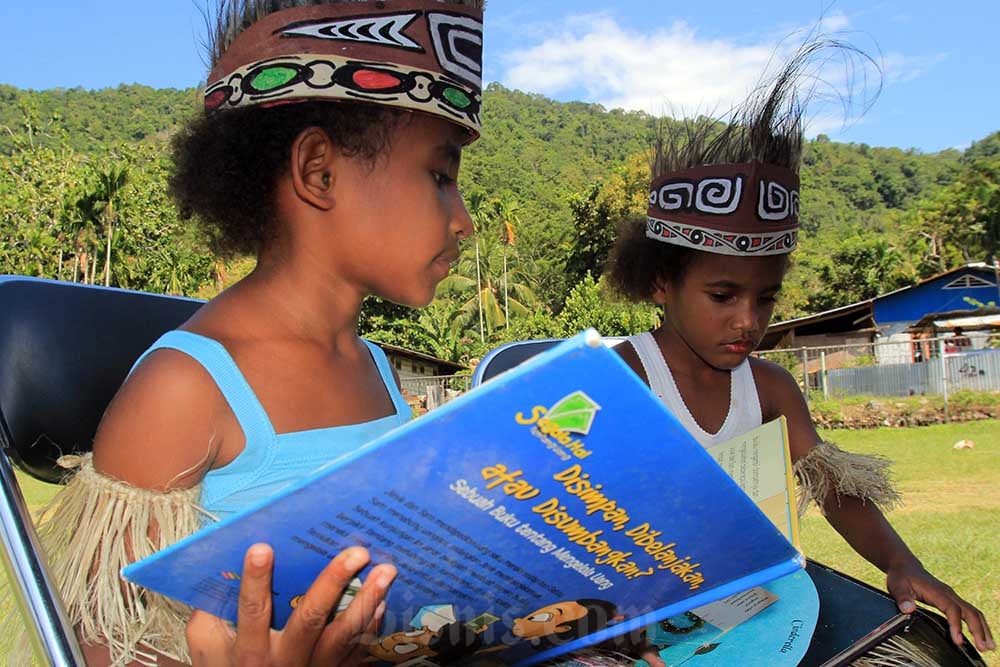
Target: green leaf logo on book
[(574, 414)]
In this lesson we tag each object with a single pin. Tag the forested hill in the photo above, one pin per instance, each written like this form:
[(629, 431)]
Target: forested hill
[(88, 121), (562, 174)]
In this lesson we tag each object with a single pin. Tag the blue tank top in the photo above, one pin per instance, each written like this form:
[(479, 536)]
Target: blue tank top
[(270, 461)]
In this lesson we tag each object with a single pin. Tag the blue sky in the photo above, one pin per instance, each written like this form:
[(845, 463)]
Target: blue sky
[(941, 84)]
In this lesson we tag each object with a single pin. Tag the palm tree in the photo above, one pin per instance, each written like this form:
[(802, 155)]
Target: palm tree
[(505, 215), (80, 221), (445, 327), (477, 211), (501, 292), (110, 182)]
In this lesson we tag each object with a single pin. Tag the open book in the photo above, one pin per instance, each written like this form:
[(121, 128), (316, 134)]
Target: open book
[(555, 506)]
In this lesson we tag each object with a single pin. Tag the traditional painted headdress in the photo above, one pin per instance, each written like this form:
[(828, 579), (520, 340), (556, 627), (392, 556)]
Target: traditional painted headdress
[(749, 209), (732, 188), (423, 55)]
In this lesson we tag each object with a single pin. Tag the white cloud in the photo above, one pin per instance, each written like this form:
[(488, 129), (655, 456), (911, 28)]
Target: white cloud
[(900, 69), (670, 69), (834, 22)]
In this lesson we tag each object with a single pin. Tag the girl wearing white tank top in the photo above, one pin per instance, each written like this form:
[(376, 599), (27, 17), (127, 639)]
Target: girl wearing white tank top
[(712, 251), (715, 311), (743, 411)]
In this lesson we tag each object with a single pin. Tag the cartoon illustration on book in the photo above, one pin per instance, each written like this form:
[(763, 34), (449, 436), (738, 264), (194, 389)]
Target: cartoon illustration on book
[(561, 622), (436, 634)]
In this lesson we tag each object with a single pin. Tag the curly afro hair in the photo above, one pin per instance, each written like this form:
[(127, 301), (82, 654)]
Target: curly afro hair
[(226, 165), (637, 265)]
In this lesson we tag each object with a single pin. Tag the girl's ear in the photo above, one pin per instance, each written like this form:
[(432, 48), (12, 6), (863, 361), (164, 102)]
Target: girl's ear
[(314, 159), (659, 293)]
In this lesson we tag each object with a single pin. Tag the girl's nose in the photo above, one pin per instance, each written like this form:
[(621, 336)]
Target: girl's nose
[(461, 223), (745, 320)]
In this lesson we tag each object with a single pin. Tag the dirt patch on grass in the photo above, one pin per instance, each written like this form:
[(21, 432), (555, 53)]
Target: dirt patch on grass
[(863, 412)]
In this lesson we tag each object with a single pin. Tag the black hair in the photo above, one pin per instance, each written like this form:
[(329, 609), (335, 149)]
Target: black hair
[(600, 614), (227, 164), (638, 264)]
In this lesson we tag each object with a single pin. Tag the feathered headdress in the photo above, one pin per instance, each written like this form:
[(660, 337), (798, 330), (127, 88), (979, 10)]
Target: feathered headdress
[(732, 188)]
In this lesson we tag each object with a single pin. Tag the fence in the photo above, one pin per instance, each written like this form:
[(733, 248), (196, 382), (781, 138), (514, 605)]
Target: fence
[(433, 391), (896, 367)]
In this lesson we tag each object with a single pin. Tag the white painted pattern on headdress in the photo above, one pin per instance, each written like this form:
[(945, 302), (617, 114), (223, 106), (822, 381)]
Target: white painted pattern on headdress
[(776, 202), (719, 196), (384, 30), (719, 242), (675, 196), (447, 30)]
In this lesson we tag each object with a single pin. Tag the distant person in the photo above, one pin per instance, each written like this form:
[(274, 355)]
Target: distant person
[(331, 151), (955, 343), (713, 252)]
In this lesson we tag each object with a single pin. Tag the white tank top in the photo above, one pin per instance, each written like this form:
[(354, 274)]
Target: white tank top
[(744, 404)]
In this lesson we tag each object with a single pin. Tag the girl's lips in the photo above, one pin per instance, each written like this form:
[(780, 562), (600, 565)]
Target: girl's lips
[(443, 266), (740, 347)]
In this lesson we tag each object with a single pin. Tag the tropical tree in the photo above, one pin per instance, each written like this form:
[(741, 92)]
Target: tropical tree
[(446, 330), (110, 181), (80, 220), (598, 211), (591, 304), (489, 281)]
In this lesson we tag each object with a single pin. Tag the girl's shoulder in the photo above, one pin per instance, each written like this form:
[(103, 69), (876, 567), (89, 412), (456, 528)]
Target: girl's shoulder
[(161, 430), (778, 391), (628, 354)]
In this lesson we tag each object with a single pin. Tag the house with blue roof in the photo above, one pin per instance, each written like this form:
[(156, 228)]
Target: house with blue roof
[(900, 317)]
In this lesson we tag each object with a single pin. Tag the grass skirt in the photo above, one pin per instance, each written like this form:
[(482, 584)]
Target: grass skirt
[(92, 529)]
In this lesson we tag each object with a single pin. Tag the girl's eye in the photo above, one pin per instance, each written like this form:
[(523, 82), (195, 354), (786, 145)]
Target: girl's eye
[(719, 297), (770, 298), (442, 179)]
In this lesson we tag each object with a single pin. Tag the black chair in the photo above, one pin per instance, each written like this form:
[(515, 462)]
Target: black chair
[(65, 349), (854, 618)]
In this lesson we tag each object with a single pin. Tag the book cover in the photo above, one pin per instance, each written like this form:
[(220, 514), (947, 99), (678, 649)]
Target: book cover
[(555, 506), (766, 625)]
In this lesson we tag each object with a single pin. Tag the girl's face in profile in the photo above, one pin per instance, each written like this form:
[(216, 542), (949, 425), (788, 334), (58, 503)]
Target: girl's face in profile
[(404, 213)]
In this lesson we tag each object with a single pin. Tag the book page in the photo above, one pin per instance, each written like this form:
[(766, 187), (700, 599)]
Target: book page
[(759, 462)]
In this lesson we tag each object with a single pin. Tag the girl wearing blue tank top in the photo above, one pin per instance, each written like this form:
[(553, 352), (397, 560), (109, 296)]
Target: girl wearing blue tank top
[(330, 149), (713, 251)]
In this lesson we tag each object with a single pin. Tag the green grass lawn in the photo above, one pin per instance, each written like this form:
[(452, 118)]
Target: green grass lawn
[(950, 517)]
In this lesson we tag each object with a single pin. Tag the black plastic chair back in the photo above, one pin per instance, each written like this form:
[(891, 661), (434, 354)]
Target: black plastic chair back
[(65, 348)]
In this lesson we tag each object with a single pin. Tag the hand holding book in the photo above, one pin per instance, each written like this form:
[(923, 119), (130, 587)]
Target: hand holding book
[(307, 638)]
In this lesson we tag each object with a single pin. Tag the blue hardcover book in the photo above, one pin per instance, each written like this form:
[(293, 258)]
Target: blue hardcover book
[(552, 508)]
